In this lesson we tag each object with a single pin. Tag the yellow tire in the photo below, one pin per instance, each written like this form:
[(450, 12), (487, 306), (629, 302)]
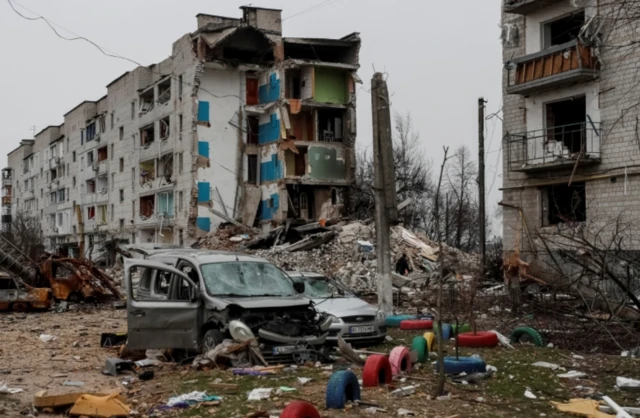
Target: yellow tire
[(431, 338)]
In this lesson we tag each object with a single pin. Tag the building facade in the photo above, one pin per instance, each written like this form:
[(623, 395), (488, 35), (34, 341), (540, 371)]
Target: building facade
[(238, 123), (570, 94)]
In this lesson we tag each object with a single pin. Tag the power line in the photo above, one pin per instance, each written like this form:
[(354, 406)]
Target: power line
[(317, 6)]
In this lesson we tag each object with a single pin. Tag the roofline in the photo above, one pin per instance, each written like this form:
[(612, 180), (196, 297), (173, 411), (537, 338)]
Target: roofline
[(329, 41), (222, 17), (259, 8), (82, 103), (117, 79), (50, 126)]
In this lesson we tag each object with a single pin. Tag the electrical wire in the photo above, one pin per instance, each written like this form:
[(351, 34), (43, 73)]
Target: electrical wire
[(317, 6)]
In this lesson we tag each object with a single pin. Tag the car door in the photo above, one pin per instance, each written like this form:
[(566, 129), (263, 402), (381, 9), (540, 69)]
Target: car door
[(169, 323)]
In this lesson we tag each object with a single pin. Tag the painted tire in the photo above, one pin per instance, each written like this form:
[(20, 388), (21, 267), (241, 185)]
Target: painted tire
[(419, 344), (300, 409), (459, 329), (377, 371), (463, 364), (532, 333), (431, 338), (416, 324), (394, 320), (446, 331), (343, 385), (400, 359), (479, 339)]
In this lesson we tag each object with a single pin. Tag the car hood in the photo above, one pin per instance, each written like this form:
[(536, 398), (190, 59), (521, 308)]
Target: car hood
[(345, 306), (259, 302)]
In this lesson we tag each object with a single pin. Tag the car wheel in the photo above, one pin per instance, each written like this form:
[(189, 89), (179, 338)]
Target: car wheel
[(210, 339)]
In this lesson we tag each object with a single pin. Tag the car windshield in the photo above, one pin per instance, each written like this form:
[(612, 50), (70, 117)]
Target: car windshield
[(246, 279), (320, 288)]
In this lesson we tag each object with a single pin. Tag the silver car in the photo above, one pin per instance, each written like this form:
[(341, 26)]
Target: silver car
[(355, 320), (194, 299)]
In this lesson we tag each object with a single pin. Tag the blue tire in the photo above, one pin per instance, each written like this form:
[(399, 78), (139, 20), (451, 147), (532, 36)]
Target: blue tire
[(463, 364), (394, 320), (343, 386), (446, 331)]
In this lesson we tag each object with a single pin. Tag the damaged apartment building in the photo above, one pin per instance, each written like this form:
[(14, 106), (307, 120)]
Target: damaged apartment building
[(239, 124), (571, 149)]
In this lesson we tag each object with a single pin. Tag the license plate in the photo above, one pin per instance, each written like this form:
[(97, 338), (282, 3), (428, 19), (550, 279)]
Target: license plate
[(284, 349), (361, 330)]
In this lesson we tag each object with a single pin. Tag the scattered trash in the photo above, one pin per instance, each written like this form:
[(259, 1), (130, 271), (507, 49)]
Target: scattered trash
[(581, 407), (626, 383), (72, 383), (577, 357), (148, 362), (113, 366), (45, 338), (620, 413), (5, 389), (529, 394), (100, 406), (191, 398), (304, 380), (111, 339), (544, 364), (260, 394), (405, 412), (504, 341), (404, 391), (146, 375), (284, 389), (573, 374)]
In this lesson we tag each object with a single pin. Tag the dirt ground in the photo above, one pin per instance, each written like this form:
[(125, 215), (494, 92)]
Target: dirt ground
[(75, 355)]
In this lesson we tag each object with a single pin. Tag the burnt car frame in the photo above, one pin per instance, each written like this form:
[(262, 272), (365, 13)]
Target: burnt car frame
[(180, 302), (20, 297)]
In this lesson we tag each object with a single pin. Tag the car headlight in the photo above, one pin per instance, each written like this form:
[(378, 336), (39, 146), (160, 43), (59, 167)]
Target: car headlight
[(336, 320), (326, 322), (380, 316), (240, 331)]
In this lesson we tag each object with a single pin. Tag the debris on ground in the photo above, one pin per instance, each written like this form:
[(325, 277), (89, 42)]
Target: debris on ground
[(100, 406), (259, 394), (191, 398), (627, 384), (6, 389)]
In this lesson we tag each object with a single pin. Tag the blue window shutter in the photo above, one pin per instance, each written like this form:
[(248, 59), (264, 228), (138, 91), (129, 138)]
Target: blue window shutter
[(203, 111), (204, 224), (203, 149), (204, 191)]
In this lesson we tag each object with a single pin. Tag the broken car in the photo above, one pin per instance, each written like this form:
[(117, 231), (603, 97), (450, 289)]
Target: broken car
[(195, 299), (354, 320), (20, 297)]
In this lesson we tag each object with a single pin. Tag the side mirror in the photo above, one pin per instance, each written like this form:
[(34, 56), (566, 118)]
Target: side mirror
[(298, 287)]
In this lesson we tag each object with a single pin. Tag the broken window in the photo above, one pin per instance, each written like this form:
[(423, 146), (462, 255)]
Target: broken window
[(180, 87), (133, 109), (563, 30), (91, 212), (330, 125), (304, 204), (296, 164), (147, 135), (293, 88), (564, 204), (165, 128), (252, 169), (102, 214), (147, 172), (302, 125), (121, 223), (89, 158), (91, 131), (102, 184), (103, 123), (91, 186), (253, 125), (334, 197), (121, 164), (565, 123), (146, 100), (54, 175), (165, 204), (147, 206), (103, 154), (165, 167), (252, 90), (164, 91), (180, 201)]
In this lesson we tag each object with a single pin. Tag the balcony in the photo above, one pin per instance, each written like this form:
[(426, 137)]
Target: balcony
[(559, 65), (555, 148), (524, 7), (6, 200), (6, 177), (54, 162)]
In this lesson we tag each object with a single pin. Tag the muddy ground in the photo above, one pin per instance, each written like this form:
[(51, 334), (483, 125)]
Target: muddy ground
[(75, 355)]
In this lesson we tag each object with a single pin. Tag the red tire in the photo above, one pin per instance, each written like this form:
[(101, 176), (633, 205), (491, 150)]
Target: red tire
[(377, 371), (479, 339), (400, 359), (416, 324), (300, 409)]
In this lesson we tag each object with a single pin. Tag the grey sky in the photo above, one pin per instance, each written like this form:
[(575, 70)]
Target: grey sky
[(439, 56)]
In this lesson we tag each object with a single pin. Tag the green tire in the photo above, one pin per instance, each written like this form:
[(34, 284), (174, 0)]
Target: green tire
[(419, 344), (532, 333)]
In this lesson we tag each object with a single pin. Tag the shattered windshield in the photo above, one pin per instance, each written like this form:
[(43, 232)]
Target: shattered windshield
[(246, 279), (320, 288)]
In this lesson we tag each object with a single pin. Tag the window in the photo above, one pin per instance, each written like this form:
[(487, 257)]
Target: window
[(103, 154), (112, 151), (112, 211), (180, 87), (91, 186), (91, 131), (81, 136), (112, 118), (73, 156), (164, 91), (121, 133), (73, 181), (113, 180), (180, 162), (165, 128), (564, 204), (147, 206), (133, 209), (254, 127), (147, 135), (565, 127), (334, 197), (61, 195), (121, 195), (121, 164), (89, 158), (133, 110), (563, 30), (252, 169), (133, 178), (41, 193), (180, 126), (121, 223), (91, 212), (102, 214)]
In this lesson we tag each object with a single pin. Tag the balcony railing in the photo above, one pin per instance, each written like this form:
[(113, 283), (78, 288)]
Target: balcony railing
[(6, 200), (558, 65), (524, 7), (555, 147)]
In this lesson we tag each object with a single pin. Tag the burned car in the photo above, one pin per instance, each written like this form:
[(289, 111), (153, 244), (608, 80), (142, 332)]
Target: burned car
[(354, 320), (20, 297), (194, 299)]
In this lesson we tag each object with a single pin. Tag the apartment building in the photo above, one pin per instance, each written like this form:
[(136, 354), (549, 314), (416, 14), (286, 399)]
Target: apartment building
[(570, 94), (238, 123)]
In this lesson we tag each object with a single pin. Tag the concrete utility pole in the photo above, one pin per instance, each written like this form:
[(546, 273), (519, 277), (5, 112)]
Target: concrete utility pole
[(385, 188), (483, 238)]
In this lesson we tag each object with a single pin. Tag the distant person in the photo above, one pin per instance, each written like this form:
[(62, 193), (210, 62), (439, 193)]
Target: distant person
[(402, 266)]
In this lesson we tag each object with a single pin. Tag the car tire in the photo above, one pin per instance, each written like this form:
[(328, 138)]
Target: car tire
[(377, 371), (468, 365), (479, 339), (446, 331), (457, 329), (300, 409), (393, 321), (400, 359), (419, 345), (522, 331), (210, 339), (343, 385), (410, 324)]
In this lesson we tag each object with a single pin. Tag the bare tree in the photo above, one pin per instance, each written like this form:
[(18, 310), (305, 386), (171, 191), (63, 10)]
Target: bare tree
[(25, 233)]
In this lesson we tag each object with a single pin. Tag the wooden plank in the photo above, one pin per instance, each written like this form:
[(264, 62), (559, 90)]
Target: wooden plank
[(548, 66), (585, 54), (43, 400), (557, 64), (537, 70), (575, 63), (530, 70)]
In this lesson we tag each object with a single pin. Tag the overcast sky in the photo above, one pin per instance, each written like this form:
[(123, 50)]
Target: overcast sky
[(440, 56)]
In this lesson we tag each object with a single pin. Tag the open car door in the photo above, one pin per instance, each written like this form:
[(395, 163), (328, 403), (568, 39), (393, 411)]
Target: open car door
[(170, 322)]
